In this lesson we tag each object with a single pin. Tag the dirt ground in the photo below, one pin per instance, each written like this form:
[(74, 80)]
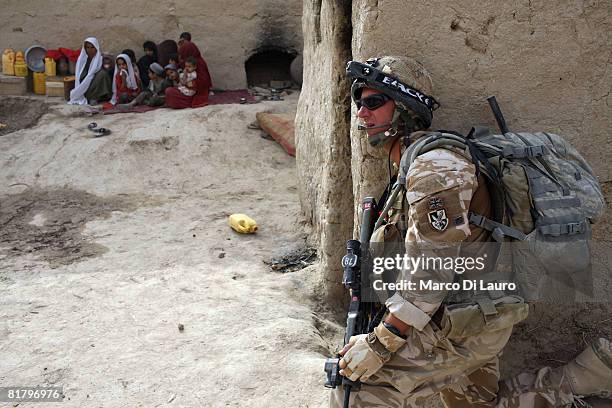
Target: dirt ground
[(108, 244), (15, 115)]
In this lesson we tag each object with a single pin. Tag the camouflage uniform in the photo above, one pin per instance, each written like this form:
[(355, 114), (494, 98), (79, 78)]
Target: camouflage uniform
[(441, 189), (464, 371)]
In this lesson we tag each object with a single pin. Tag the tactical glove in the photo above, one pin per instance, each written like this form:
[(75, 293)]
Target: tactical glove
[(369, 352)]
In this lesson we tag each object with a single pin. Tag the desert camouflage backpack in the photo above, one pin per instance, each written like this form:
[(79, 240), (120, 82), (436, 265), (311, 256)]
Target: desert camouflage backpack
[(544, 197)]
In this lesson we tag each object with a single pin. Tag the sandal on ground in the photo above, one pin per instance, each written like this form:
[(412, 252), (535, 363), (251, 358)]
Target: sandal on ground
[(93, 126)]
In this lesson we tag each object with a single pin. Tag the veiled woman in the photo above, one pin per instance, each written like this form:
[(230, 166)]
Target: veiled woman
[(174, 98), (92, 84)]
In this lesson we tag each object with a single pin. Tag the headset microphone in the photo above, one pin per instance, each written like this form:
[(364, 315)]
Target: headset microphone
[(384, 125)]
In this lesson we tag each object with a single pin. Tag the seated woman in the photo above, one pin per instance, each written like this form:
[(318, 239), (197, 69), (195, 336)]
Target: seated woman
[(92, 84), (126, 84), (174, 98)]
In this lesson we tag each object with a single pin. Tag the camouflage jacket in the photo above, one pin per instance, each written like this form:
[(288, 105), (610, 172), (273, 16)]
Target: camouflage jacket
[(441, 189)]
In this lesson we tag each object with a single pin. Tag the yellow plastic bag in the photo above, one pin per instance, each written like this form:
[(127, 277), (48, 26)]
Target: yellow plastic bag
[(242, 223)]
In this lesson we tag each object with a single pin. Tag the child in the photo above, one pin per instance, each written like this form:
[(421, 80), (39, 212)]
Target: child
[(150, 50), (154, 94), (126, 85), (107, 65), (188, 77), (130, 53), (172, 75), (173, 59)]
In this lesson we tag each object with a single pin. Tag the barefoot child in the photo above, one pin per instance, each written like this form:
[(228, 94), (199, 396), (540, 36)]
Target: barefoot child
[(188, 77)]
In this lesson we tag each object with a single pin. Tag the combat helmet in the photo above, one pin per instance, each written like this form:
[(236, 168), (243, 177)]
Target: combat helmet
[(404, 80)]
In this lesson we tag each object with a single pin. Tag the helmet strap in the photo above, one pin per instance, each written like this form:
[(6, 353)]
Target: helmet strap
[(402, 124), (410, 124), (384, 136)]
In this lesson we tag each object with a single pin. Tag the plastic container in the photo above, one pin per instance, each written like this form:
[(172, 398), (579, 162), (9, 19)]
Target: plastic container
[(40, 80), (242, 223), (8, 62), (21, 69), (50, 67)]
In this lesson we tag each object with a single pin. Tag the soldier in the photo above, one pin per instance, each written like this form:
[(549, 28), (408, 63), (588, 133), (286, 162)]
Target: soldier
[(407, 358)]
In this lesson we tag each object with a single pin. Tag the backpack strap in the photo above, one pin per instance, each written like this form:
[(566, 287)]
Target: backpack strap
[(478, 156), (534, 153), (570, 228), (522, 152), (569, 202), (433, 141), (388, 189), (498, 231), (445, 138), (397, 188)]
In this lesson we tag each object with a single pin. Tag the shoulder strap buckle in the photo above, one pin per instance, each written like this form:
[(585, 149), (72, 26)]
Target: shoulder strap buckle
[(523, 152), (487, 307), (497, 229)]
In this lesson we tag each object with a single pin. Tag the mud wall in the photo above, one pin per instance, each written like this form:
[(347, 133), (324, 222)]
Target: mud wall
[(322, 134), (227, 32)]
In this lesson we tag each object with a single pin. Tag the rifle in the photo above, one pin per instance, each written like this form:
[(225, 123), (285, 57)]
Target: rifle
[(360, 314)]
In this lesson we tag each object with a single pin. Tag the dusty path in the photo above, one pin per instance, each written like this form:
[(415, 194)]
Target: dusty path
[(107, 244)]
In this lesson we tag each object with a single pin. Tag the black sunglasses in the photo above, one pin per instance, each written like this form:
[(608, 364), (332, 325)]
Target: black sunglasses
[(372, 102)]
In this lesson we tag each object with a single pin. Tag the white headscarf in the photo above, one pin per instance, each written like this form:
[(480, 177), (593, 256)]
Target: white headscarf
[(131, 78), (77, 95)]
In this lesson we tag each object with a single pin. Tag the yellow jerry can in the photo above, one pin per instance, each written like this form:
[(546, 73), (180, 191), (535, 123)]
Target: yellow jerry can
[(242, 223), (8, 62)]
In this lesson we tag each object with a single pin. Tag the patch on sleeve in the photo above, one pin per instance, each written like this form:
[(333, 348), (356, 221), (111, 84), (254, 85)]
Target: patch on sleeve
[(438, 219), (435, 203)]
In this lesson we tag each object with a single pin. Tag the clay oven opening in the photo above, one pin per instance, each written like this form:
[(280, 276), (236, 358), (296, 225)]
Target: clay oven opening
[(269, 65)]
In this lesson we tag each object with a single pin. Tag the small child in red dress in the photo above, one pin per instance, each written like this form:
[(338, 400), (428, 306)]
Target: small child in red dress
[(126, 85)]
